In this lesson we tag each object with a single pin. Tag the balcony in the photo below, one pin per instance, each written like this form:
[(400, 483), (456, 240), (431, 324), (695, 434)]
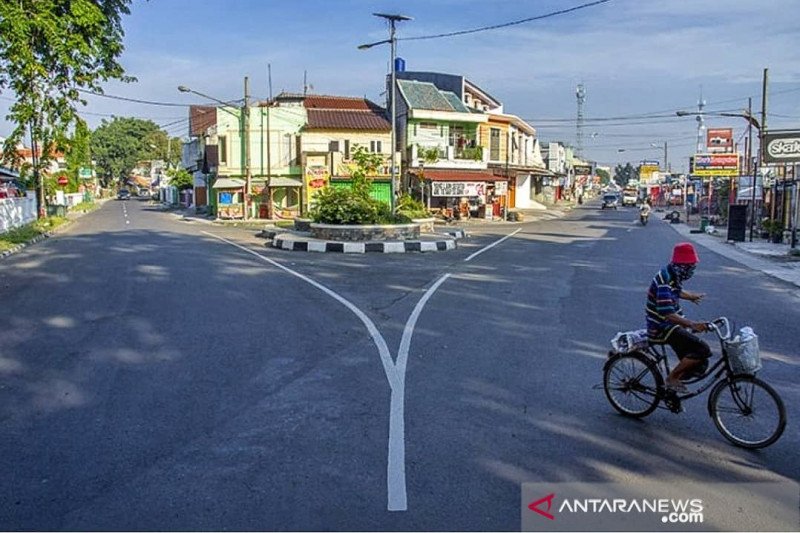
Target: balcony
[(473, 158)]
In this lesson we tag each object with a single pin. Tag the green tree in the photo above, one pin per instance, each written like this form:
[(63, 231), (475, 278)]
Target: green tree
[(623, 174), (180, 178), (118, 145), (50, 50), (78, 154), (165, 148), (605, 178)]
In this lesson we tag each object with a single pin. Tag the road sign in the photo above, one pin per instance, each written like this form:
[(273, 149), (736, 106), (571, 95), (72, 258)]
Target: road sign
[(85, 173), (62, 180)]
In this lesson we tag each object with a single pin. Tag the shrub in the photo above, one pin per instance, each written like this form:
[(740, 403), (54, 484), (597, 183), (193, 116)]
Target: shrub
[(411, 208)]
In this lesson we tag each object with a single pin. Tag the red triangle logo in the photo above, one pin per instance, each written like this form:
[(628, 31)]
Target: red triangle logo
[(535, 506)]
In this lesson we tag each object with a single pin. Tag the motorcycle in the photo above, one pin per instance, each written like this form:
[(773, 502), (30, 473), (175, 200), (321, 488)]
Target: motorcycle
[(644, 215)]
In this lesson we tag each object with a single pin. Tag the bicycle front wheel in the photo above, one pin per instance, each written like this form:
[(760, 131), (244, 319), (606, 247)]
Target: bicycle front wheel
[(631, 382), (747, 411)]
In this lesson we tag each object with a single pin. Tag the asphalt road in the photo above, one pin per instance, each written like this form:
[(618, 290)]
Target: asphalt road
[(158, 374)]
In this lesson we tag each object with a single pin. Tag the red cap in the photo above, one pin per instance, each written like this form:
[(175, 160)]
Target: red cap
[(684, 254)]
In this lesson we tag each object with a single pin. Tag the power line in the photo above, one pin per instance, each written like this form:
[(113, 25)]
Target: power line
[(149, 102), (506, 24)]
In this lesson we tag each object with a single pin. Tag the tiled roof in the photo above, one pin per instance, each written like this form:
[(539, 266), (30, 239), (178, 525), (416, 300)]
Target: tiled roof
[(318, 101), (201, 117), (455, 102), (347, 119), (424, 95)]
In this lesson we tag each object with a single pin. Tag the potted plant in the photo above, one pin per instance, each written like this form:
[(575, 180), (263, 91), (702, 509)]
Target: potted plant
[(774, 230)]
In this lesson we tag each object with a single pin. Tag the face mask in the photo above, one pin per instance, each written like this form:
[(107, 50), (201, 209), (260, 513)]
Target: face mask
[(683, 271)]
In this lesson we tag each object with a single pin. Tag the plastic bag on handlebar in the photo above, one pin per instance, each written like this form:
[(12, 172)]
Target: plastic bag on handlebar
[(629, 341), (743, 353)]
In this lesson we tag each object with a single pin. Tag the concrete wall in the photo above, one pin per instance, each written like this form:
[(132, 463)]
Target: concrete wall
[(16, 212)]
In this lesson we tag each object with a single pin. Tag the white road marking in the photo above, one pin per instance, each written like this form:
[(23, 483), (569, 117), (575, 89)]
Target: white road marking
[(395, 374), (495, 243)]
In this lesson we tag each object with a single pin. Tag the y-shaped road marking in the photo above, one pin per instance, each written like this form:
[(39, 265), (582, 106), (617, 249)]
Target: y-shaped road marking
[(395, 374)]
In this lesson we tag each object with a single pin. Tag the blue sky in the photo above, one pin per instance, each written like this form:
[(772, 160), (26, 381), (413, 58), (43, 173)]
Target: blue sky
[(633, 56)]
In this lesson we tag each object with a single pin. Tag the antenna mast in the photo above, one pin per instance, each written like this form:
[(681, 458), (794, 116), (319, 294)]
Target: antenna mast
[(580, 93)]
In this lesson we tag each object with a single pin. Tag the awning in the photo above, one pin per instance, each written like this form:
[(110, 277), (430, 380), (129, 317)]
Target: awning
[(459, 175), (228, 183), (280, 181)]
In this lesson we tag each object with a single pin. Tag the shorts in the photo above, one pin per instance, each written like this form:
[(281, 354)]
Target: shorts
[(687, 344)]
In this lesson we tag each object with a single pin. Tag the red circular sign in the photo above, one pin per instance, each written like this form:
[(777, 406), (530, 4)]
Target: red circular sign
[(62, 180)]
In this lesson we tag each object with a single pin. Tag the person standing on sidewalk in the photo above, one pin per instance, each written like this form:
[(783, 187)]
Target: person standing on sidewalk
[(666, 322)]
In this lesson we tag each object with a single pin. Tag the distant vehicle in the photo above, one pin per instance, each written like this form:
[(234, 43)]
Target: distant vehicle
[(609, 201), (629, 197), (123, 194)]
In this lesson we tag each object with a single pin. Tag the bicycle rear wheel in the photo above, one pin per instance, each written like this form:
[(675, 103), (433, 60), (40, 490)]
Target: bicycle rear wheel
[(747, 411), (631, 382)]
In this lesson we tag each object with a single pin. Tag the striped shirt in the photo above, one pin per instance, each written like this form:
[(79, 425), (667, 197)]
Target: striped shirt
[(663, 299)]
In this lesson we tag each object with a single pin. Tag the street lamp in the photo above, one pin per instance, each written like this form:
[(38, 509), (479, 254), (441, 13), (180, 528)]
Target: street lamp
[(392, 40), (244, 135)]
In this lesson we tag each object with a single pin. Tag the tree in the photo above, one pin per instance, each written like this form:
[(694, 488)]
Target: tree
[(78, 154), (623, 174), (120, 144), (180, 178), (165, 148), (50, 50), (605, 178)]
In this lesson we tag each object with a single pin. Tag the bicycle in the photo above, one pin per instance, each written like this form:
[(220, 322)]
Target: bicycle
[(746, 410)]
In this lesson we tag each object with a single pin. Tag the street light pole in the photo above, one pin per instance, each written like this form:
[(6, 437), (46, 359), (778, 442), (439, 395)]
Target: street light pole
[(392, 41)]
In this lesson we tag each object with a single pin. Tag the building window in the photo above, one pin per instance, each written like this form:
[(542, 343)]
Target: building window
[(375, 147), (428, 126), (494, 144), (222, 142), (347, 148)]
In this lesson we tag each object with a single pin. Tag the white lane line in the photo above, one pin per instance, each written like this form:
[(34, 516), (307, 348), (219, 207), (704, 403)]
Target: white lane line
[(395, 467), (397, 499), (380, 342), (495, 243)]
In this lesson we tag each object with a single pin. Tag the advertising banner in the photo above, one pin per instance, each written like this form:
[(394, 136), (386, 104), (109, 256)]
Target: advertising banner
[(458, 188), (715, 165), (782, 146), (720, 139), (582, 170), (646, 172), (316, 177)]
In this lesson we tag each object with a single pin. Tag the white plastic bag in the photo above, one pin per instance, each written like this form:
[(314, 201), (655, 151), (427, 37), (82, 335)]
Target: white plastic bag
[(629, 341), (743, 353)]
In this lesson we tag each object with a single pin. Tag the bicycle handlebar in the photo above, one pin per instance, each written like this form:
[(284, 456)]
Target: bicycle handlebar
[(715, 326)]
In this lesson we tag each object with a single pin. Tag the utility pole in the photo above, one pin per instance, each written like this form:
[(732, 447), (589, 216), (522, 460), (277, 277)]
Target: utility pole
[(269, 146), (580, 93), (761, 141), (246, 146), (750, 170)]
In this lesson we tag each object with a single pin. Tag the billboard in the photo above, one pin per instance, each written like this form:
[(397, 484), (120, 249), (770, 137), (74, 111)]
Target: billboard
[(744, 191), (782, 146), (582, 170), (646, 172), (720, 139), (715, 165)]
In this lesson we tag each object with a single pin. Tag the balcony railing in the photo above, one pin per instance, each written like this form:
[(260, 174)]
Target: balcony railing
[(474, 153)]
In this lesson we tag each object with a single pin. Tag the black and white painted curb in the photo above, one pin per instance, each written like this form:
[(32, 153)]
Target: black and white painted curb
[(22, 246), (396, 247)]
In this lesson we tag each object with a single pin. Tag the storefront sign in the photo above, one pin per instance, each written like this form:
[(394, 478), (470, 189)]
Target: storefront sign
[(500, 188), (582, 170), (715, 165), (782, 146), (745, 189), (646, 172), (720, 139), (458, 188)]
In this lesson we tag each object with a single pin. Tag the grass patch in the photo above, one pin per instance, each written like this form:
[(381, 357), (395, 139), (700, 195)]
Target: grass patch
[(284, 223), (85, 207), (23, 234)]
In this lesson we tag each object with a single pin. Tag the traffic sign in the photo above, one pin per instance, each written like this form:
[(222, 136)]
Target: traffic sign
[(85, 173), (62, 180)]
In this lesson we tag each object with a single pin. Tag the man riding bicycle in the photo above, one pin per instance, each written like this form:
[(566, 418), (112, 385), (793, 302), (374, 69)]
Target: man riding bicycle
[(665, 320)]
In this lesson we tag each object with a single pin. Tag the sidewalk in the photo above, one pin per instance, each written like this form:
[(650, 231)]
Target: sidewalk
[(771, 259)]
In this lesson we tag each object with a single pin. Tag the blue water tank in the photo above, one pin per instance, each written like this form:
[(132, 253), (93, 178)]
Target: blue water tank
[(399, 64)]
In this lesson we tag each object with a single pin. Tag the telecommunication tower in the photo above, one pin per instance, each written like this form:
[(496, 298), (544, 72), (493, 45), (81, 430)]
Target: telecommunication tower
[(701, 125), (580, 93)]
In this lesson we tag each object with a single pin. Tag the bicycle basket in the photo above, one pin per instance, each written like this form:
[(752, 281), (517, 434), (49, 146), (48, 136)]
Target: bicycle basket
[(743, 353), (629, 341)]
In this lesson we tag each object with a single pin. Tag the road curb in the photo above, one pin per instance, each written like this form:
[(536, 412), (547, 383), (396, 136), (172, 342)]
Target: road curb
[(300, 244)]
